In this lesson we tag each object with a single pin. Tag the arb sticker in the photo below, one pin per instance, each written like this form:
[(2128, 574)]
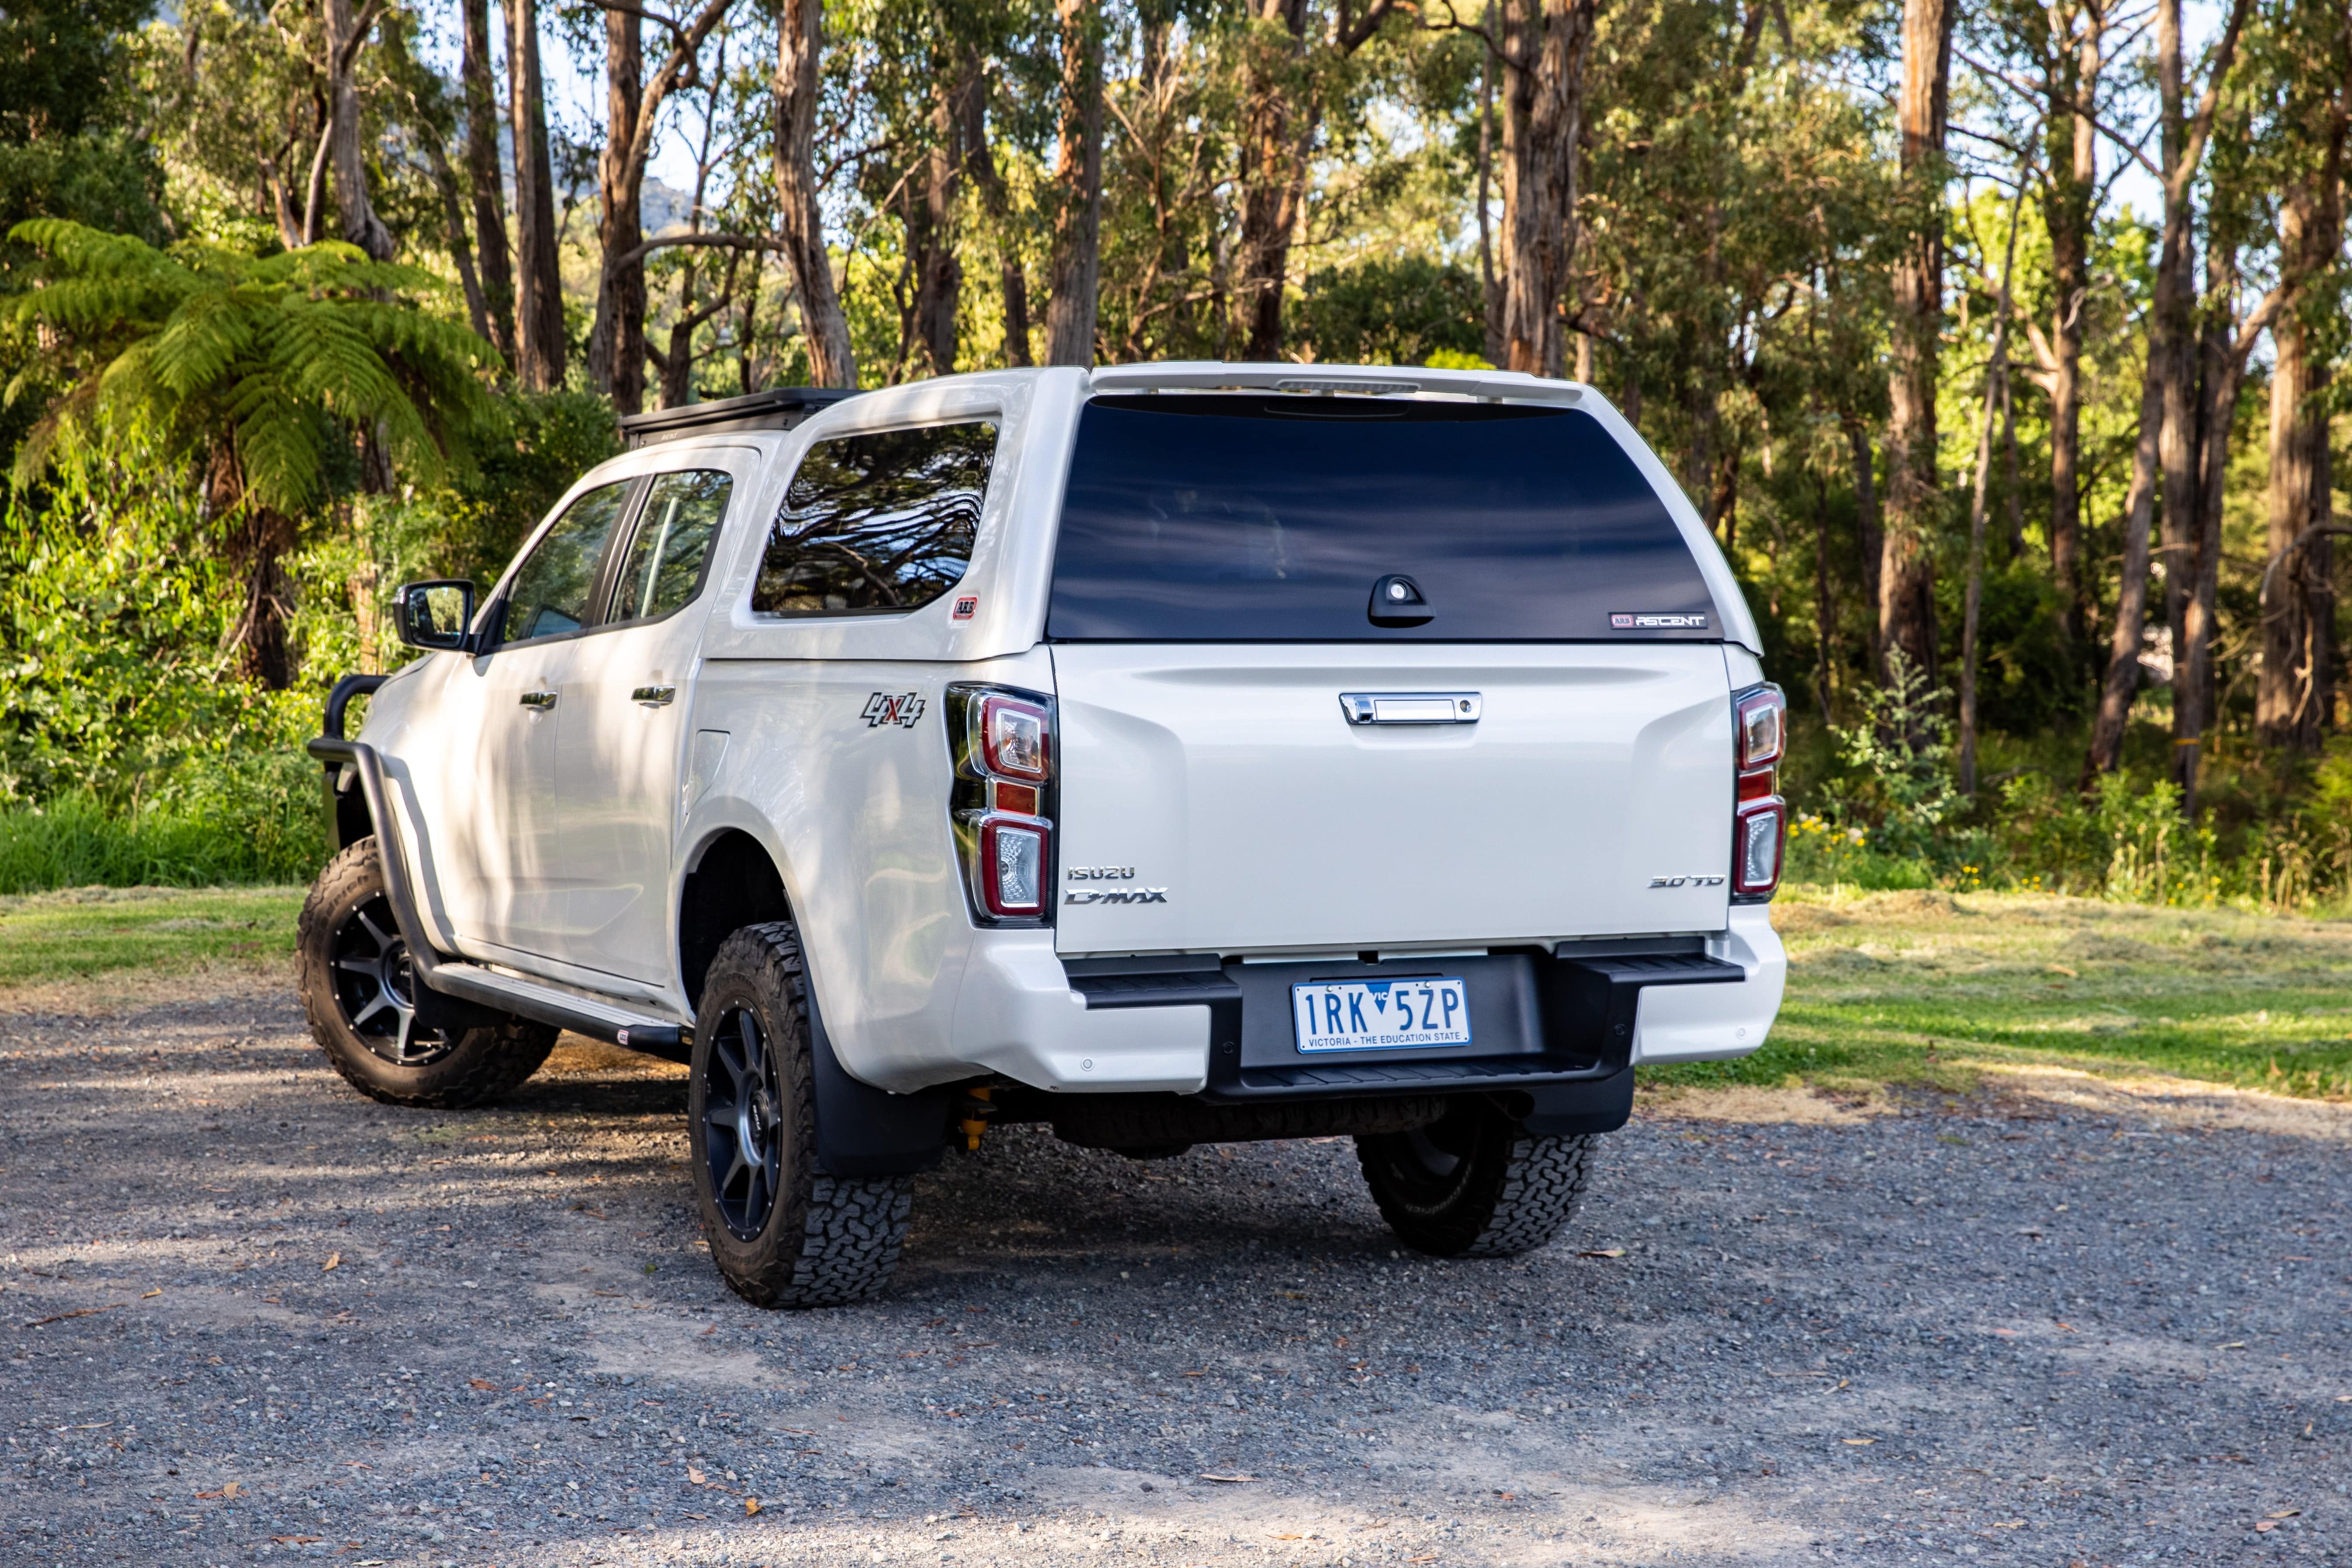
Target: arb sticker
[(901, 710), (967, 606), (1639, 623)]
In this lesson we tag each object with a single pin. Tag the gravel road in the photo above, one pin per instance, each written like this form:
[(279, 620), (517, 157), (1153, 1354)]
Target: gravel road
[(245, 1315)]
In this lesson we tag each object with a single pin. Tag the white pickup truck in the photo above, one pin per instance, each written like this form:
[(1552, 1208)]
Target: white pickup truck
[(1171, 754)]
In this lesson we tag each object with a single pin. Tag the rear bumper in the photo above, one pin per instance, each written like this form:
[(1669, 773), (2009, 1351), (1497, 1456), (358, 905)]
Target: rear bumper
[(1189, 1025)]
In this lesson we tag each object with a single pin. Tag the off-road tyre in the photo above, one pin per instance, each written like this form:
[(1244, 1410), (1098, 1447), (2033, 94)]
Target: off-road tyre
[(347, 954), (816, 1240), (1475, 1183)]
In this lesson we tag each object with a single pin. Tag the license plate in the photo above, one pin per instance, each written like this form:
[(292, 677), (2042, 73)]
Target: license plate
[(1380, 1014)]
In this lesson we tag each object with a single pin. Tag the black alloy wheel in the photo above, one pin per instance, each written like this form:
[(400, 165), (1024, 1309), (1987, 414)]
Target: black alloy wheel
[(376, 987), (783, 1231), (359, 993), (742, 1123)]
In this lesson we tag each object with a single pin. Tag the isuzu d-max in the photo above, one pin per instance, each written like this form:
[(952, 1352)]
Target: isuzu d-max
[(1170, 753)]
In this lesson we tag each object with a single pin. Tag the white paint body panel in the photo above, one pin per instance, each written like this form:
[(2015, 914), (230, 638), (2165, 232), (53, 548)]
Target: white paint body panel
[(1229, 775), (1225, 774)]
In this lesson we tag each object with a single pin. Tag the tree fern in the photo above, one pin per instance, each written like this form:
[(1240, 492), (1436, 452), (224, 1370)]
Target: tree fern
[(257, 365), (228, 349)]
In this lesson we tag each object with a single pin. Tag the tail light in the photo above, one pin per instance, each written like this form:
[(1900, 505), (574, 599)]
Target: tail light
[(1760, 821), (1002, 804)]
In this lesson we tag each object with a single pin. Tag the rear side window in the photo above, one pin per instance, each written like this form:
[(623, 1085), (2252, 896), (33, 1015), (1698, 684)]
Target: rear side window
[(1271, 518), (663, 566), (877, 523), (551, 591)]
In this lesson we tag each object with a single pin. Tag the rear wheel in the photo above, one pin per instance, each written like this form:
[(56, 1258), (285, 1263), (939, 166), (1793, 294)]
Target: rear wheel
[(783, 1233), (1475, 1184), (358, 990)]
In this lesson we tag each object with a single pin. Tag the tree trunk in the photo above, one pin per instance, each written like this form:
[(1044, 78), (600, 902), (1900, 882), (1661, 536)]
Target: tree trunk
[(800, 45), (2074, 163), (1907, 604), (616, 344), (2297, 597), (461, 248), (1072, 306), (1972, 604), (355, 212), (1490, 285), (482, 173), (539, 305), (256, 545), (1869, 533), (2167, 415), (1545, 46), (2220, 372), (931, 236), (1273, 90), (980, 162)]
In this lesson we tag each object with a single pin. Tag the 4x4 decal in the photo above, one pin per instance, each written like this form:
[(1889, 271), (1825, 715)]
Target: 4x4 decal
[(901, 710)]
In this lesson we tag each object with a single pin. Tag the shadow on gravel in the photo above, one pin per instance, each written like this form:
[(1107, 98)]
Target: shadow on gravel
[(248, 1317)]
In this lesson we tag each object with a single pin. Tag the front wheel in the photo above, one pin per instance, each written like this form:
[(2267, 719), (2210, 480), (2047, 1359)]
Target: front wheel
[(358, 990), (782, 1232), (1475, 1184)]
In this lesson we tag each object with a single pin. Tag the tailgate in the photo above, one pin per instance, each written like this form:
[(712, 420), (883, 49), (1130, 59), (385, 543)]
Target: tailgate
[(1229, 778)]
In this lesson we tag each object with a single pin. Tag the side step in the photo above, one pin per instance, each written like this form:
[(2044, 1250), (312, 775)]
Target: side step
[(591, 1016), (594, 1017)]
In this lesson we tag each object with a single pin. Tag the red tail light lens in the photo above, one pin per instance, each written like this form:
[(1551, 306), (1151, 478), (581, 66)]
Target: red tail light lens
[(1757, 841), (1013, 865), (1760, 820), (1016, 739), (1001, 808)]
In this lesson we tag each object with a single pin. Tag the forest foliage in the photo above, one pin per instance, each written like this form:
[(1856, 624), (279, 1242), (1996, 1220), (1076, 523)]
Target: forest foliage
[(2002, 348)]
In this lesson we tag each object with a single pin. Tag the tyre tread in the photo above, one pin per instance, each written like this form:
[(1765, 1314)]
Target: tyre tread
[(852, 1227)]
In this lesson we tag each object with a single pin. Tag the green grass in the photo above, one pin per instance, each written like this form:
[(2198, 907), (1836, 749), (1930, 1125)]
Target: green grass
[(1931, 988), (266, 828), (86, 931)]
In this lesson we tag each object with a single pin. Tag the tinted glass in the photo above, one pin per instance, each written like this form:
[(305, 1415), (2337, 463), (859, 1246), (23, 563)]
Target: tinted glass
[(1269, 519), (551, 594), (877, 523), (663, 566)]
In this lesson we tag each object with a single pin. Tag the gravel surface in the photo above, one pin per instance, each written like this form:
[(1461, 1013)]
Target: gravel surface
[(245, 1315)]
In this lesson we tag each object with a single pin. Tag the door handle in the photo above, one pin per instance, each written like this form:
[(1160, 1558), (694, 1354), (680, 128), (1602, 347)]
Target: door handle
[(1412, 706), (541, 700), (654, 696)]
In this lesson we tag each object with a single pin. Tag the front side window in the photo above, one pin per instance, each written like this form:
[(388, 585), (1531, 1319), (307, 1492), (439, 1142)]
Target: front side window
[(551, 591), (662, 567), (878, 524)]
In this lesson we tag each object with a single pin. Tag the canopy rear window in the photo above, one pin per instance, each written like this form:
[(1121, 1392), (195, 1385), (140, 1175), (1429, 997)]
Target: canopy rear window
[(1270, 519)]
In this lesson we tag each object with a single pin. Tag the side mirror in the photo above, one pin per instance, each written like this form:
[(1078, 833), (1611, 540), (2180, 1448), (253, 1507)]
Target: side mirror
[(436, 614)]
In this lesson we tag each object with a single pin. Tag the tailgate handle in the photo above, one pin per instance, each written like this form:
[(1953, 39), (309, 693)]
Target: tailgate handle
[(1409, 707)]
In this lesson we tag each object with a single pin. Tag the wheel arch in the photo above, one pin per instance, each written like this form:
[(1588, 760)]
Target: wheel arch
[(731, 881)]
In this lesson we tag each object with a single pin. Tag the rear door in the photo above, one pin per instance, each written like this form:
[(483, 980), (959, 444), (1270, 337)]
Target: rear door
[(621, 750), (1338, 674)]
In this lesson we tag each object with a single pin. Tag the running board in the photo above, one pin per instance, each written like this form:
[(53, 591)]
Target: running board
[(594, 1017)]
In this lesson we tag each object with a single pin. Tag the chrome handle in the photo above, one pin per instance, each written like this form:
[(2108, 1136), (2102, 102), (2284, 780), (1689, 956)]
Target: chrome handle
[(1410, 706), (543, 700), (654, 696)]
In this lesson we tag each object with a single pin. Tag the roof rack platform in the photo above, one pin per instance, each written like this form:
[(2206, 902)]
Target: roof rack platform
[(778, 408)]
